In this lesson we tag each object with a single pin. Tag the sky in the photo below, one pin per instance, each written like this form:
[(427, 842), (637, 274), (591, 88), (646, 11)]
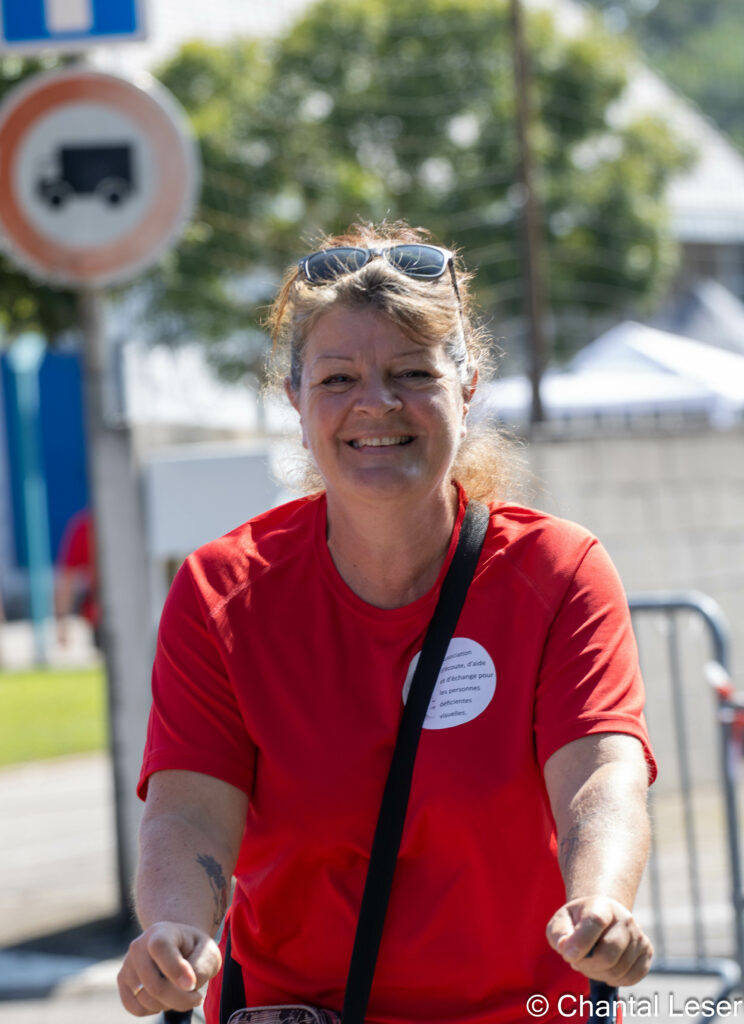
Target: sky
[(172, 22)]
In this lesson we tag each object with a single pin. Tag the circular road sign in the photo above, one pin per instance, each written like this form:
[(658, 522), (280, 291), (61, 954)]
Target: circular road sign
[(98, 175)]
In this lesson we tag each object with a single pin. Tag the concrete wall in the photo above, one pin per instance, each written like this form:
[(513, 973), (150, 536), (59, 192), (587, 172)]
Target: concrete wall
[(670, 510)]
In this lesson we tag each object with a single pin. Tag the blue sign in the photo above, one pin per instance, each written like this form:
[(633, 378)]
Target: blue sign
[(31, 25)]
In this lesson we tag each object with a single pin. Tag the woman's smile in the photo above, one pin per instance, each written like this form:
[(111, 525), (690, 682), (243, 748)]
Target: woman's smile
[(381, 442)]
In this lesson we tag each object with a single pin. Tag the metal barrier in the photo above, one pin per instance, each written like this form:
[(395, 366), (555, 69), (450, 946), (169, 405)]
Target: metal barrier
[(667, 608)]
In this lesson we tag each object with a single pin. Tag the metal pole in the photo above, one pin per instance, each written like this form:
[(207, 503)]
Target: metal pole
[(532, 267), (91, 306)]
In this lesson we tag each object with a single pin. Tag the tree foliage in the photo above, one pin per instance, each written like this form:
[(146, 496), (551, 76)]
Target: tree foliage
[(25, 303), (200, 289), (366, 109), (372, 108)]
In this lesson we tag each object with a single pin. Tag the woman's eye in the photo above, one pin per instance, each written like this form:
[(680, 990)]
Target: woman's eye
[(414, 374), (336, 378)]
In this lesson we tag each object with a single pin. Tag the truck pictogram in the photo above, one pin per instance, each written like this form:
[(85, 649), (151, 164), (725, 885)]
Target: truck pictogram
[(104, 170)]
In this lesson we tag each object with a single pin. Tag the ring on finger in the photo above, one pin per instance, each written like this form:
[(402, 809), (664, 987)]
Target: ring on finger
[(136, 991)]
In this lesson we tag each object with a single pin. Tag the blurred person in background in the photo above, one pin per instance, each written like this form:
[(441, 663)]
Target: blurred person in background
[(278, 686), (76, 589)]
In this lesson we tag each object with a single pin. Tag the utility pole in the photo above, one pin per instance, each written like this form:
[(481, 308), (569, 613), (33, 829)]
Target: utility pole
[(531, 230)]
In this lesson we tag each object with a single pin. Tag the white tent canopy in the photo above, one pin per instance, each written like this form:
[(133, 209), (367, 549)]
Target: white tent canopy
[(631, 371)]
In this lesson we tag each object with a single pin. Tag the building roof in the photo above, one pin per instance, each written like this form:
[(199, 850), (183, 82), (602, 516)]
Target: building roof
[(707, 201), (706, 311)]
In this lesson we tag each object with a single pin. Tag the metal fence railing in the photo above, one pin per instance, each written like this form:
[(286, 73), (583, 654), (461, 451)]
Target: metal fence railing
[(693, 881)]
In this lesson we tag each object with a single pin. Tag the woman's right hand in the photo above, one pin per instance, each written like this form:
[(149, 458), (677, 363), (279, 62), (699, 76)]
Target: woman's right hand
[(165, 968)]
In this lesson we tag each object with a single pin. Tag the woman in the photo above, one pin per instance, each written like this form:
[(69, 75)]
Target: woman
[(283, 654)]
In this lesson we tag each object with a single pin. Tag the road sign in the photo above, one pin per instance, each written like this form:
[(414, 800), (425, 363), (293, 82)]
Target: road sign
[(97, 175), (28, 26)]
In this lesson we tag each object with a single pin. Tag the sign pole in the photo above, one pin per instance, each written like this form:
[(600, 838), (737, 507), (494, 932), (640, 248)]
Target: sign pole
[(122, 563), (91, 305)]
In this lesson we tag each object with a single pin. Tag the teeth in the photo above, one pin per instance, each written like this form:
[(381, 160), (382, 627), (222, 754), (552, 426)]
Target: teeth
[(379, 442)]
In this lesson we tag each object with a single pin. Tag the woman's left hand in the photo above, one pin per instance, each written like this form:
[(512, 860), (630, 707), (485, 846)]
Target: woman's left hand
[(600, 938)]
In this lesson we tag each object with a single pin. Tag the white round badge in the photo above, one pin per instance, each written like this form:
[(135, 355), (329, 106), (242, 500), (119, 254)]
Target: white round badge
[(465, 687)]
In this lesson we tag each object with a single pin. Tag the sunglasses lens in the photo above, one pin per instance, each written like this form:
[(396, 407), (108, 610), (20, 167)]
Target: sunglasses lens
[(424, 261), (331, 263)]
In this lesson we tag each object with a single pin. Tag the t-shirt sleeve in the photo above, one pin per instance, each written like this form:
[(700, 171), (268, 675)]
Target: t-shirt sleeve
[(195, 721), (74, 549), (590, 680)]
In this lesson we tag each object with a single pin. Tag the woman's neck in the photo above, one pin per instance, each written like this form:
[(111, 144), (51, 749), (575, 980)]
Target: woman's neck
[(391, 556)]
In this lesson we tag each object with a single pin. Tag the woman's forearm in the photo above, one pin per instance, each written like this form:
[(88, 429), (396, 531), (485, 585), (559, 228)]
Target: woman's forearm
[(597, 788), (183, 875), (603, 835), (189, 842)]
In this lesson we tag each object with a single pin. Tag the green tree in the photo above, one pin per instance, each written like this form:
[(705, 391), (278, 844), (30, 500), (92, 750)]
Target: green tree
[(25, 303), (372, 108), (200, 288)]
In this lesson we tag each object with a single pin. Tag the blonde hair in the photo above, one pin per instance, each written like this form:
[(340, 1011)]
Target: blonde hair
[(427, 311)]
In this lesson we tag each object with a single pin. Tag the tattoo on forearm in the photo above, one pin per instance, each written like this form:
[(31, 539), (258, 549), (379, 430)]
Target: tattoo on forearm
[(584, 831), (217, 883), (568, 847)]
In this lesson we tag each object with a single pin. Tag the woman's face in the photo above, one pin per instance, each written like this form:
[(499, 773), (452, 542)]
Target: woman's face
[(382, 415)]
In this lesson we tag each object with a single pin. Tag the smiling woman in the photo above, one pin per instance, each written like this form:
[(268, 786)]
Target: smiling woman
[(383, 416), (431, 306), (285, 656)]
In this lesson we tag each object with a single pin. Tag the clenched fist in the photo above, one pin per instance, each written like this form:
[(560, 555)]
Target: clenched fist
[(165, 968), (600, 938)]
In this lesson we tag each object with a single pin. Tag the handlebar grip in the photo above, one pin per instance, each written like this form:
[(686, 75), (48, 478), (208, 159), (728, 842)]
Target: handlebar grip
[(177, 1017), (600, 992)]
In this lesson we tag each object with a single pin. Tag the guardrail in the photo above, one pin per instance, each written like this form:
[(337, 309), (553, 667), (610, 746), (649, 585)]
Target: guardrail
[(729, 707)]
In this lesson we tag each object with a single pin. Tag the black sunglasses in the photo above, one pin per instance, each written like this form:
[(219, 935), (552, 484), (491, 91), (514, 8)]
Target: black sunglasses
[(422, 262)]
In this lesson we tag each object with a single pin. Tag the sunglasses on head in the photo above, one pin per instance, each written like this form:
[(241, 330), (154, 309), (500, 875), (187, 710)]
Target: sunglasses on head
[(422, 262)]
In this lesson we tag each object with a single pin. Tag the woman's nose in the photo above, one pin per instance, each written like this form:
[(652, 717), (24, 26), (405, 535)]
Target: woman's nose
[(376, 396)]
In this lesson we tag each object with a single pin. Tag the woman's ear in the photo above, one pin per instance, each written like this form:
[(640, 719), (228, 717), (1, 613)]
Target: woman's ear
[(289, 391), (472, 386), (294, 400), (468, 391)]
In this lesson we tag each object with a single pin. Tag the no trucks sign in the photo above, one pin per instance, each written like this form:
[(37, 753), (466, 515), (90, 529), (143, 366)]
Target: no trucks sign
[(98, 175)]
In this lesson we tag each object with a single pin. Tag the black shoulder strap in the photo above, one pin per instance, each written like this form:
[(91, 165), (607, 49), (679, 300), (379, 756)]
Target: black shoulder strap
[(232, 993), (389, 831)]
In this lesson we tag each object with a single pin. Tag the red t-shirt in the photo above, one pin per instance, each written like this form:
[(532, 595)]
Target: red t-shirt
[(272, 675)]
